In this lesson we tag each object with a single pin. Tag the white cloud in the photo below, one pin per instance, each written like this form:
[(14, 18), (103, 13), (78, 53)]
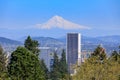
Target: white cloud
[(59, 22)]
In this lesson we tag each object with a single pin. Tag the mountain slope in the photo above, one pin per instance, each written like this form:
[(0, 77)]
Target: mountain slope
[(8, 41), (88, 43), (48, 41), (113, 38), (8, 44)]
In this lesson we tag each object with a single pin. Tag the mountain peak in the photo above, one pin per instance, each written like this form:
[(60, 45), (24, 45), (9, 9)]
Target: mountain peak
[(59, 22), (56, 17)]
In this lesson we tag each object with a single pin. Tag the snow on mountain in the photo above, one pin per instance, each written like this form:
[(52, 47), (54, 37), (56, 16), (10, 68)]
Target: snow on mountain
[(59, 22)]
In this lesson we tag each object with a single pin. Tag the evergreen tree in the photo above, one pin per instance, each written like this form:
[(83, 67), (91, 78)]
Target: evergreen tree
[(63, 65), (99, 52), (45, 69), (115, 55), (32, 45), (24, 65), (55, 72), (3, 62)]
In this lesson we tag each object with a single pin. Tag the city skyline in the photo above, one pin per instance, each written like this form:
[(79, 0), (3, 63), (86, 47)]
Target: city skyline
[(19, 18)]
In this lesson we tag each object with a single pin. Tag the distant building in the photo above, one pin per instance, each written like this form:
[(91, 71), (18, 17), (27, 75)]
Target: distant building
[(73, 55), (47, 53)]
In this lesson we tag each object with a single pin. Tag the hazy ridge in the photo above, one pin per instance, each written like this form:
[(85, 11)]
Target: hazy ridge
[(88, 43)]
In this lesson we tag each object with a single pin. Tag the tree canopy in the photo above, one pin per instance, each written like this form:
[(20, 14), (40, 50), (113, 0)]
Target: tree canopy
[(45, 69), (115, 56), (55, 74), (63, 66), (3, 66), (94, 69), (32, 45), (59, 68), (24, 65), (99, 52)]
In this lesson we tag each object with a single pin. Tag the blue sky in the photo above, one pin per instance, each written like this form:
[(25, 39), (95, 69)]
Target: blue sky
[(17, 17)]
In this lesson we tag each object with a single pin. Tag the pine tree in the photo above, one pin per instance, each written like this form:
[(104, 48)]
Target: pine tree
[(32, 45), (63, 65), (45, 69), (24, 65), (114, 55), (99, 52), (55, 72)]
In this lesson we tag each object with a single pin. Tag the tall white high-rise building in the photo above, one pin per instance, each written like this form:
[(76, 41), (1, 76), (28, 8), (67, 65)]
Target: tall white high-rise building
[(73, 55)]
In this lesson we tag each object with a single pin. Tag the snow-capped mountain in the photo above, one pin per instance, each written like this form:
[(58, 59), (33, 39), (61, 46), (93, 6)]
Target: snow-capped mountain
[(59, 22)]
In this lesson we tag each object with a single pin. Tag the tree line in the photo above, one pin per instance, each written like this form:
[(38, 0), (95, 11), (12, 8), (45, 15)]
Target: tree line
[(99, 67), (25, 64)]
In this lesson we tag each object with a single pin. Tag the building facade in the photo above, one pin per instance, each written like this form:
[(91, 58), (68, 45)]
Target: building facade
[(73, 50), (47, 53)]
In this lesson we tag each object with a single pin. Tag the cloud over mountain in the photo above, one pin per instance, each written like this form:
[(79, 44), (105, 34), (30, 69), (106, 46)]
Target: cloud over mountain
[(59, 22)]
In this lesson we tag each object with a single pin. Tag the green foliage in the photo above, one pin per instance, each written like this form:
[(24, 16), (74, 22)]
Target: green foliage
[(24, 65), (96, 69), (59, 69), (2, 60), (55, 72), (115, 56), (99, 52), (3, 68), (32, 45), (44, 68), (63, 66)]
